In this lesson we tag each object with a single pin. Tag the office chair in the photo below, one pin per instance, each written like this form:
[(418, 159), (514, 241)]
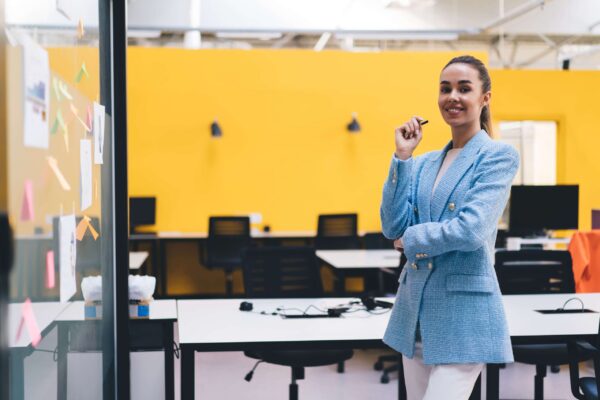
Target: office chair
[(586, 388), (337, 231), (538, 272), (228, 237), (288, 272)]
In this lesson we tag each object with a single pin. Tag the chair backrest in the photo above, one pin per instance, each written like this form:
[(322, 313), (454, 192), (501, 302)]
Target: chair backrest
[(376, 241), (337, 231), (534, 271), (281, 272), (228, 237)]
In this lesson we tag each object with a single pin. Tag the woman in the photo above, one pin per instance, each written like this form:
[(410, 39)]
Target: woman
[(442, 210)]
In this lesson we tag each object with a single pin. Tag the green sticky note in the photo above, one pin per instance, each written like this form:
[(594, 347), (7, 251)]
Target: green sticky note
[(82, 71)]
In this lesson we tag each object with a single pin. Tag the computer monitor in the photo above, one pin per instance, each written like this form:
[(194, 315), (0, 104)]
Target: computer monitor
[(537, 209), (142, 211)]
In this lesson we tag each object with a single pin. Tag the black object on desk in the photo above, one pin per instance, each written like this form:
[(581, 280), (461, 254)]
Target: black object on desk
[(142, 211), (567, 311)]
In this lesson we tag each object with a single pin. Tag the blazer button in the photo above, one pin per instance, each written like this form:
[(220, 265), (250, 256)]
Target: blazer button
[(430, 265), (451, 206), (414, 265), (423, 254), (416, 210)]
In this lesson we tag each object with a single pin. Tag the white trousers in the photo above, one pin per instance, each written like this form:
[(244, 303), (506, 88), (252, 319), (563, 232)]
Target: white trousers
[(435, 382)]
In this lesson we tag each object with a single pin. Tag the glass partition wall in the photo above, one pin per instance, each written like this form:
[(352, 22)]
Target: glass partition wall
[(64, 190)]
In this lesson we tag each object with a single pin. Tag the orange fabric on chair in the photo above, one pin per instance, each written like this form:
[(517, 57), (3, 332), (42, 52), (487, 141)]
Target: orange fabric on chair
[(585, 252)]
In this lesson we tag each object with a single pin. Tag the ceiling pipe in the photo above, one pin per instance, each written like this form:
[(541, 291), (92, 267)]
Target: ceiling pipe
[(513, 14)]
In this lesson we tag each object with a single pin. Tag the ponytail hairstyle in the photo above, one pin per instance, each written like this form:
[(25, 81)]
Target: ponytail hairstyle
[(486, 86)]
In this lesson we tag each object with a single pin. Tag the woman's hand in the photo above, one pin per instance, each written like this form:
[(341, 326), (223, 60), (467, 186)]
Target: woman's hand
[(398, 245), (408, 137)]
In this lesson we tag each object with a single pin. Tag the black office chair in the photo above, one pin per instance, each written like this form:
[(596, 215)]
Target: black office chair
[(537, 272), (337, 231), (228, 237), (586, 388), (288, 272)]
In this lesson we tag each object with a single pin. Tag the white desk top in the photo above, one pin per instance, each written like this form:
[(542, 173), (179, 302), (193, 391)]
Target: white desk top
[(159, 309), (523, 320), (349, 259), (221, 322), (45, 313)]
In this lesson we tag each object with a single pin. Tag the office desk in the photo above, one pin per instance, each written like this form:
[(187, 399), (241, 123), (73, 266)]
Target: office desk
[(343, 261), (218, 325), (159, 241), (527, 326), (45, 314), (162, 312)]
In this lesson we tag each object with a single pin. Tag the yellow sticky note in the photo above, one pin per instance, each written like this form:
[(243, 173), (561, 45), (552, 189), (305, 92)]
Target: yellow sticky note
[(61, 178), (94, 233), (81, 229), (56, 89), (80, 30), (64, 90)]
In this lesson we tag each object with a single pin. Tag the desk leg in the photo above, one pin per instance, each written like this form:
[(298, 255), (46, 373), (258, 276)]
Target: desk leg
[(169, 369), (492, 382), (401, 382), (61, 360), (340, 282), (187, 372), (162, 265), (476, 393), (17, 374)]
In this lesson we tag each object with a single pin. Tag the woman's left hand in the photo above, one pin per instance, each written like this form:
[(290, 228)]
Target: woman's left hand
[(398, 245)]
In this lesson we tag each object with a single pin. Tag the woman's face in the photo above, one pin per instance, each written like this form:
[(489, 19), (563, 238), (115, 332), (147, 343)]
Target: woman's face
[(461, 97)]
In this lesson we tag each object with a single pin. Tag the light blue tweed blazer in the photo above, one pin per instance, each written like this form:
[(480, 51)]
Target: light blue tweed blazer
[(448, 284)]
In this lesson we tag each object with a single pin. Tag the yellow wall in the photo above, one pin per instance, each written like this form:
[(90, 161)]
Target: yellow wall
[(285, 151)]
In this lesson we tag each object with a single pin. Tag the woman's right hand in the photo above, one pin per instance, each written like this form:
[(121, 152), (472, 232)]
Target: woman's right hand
[(408, 137)]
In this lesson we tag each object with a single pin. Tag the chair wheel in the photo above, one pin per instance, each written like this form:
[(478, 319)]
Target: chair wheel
[(385, 378), (378, 366), (555, 369)]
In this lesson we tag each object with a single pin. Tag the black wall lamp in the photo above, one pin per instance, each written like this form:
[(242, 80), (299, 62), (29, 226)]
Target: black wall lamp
[(215, 129), (353, 126)]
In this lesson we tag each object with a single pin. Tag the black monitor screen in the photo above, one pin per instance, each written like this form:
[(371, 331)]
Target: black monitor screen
[(537, 208), (142, 211)]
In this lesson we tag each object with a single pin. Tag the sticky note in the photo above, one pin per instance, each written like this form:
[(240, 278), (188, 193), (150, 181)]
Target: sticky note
[(50, 271), (54, 128), (80, 30), (28, 317), (82, 72), (56, 89), (64, 90), (61, 178), (27, 212), (61, 122), (83, 226), (94, 233), (81, 229), (89, 119)]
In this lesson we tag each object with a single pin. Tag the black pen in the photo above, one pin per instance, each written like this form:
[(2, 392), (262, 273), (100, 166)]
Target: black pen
[(421, 123)]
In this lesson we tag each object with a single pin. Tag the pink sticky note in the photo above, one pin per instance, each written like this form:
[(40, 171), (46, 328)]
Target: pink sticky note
[(89, 119), (30, 321), (27, 213), (50, 278)]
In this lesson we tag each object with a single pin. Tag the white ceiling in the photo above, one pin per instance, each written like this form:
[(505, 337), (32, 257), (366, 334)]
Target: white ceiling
[(526, 36)]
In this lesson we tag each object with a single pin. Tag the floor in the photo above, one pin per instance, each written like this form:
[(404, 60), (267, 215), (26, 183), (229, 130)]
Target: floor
[(221, 376)]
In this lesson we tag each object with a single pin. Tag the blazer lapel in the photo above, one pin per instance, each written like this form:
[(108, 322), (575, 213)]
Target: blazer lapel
[(428, 175), (457, 169)]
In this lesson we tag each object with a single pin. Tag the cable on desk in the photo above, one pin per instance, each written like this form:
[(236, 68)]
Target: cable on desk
[(573, 298)]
